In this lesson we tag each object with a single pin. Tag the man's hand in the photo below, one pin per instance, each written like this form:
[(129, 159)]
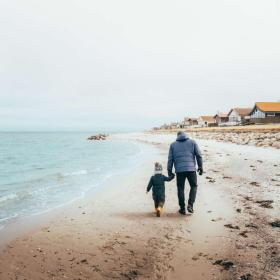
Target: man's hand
[(200, 171), (170, 174)]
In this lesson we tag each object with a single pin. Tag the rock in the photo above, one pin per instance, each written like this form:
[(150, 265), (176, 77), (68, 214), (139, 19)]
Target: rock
[(275, 223), (247, 276), (97, 137), (224, 263), (231, 226), (276, 145), (265, 203)]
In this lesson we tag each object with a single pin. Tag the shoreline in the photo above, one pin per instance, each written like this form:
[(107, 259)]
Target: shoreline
[(19, 226), (116, 235)]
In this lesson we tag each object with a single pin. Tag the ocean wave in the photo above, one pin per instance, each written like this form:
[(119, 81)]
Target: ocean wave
[(8, 197), (8, 218), (76, 173)]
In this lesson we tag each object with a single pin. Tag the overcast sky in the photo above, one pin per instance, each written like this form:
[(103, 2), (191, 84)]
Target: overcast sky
[(85, 65)]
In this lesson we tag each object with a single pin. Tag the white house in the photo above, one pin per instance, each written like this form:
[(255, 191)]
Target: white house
[(175, 125), (237, 115)]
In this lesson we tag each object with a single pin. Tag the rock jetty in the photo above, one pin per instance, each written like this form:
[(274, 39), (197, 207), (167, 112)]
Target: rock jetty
[(98, 137)]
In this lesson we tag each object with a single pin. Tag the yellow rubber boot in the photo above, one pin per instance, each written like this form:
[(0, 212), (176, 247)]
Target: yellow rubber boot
[(158, 212)]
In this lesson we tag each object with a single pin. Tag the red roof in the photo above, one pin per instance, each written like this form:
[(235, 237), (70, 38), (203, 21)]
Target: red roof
[(221, 115), (209, 119), (242, 112)]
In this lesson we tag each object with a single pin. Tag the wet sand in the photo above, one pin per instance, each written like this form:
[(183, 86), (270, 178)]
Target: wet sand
[(115, 234)]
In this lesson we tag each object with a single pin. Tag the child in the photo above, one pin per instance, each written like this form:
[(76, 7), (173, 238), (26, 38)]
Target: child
[(157, 182)]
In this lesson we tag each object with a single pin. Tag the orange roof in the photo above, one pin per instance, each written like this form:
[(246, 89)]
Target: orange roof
[(221, 115), (268, 106), (241, 111), (207, 118)]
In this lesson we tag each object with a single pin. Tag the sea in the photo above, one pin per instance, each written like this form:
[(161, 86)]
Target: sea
[(40, 172)]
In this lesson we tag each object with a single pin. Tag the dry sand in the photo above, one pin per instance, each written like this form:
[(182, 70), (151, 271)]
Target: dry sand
[(115, 235)]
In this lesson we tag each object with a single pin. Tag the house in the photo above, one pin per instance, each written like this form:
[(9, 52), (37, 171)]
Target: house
[(238, 115), (175, 125), (206, 121), (164, 126), (189, 122), (221, 119), (265, 112), (193, 121), (185, 123)]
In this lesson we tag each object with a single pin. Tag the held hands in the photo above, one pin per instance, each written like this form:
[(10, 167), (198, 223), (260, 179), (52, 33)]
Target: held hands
[(200, 171), (172, 176)]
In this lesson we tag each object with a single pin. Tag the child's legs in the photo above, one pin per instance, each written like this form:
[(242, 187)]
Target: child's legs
[(156, 203), (161, 202), (156, 200)]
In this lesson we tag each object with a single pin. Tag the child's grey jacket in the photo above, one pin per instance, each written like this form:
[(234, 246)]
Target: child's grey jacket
[(157, 182)]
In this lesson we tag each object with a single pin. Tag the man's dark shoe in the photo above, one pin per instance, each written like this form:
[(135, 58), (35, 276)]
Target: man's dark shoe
[(182, 211), (190, 209)]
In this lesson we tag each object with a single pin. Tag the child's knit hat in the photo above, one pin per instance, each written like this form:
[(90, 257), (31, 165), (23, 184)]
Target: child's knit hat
[(158, 168)]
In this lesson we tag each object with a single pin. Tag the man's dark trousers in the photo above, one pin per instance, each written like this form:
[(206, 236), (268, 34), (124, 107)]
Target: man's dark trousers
[(181, 178)]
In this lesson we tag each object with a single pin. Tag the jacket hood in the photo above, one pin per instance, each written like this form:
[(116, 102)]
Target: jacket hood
[(182, 137)]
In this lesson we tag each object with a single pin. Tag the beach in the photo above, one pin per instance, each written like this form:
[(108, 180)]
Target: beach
[(114, 233)]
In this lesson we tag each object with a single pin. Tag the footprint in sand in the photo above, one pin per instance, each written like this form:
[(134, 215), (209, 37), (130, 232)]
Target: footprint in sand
[(217, 219), (255, 184), (244, 233), (251, 225)]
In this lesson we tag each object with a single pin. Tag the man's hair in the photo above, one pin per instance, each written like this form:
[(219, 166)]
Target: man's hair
[(179, 133)]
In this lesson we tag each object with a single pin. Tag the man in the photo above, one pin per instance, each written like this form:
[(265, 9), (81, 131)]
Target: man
[(184, 153)]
